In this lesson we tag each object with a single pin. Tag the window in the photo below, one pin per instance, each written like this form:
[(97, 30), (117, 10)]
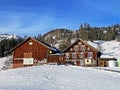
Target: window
[(30, 43), (83, 48), (28, 61), (74, 55), (82, 55), (67, 55), (76, 48), (90, 54)]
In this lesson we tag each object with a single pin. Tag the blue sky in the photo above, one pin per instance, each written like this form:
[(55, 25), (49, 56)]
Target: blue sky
[(32, 17)]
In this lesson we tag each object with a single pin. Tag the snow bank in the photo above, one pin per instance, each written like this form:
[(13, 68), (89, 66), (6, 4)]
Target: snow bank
[(2, 60), (54, 77)]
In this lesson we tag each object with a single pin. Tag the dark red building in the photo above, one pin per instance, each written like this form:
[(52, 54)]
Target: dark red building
[(82, 54), (32, 52)]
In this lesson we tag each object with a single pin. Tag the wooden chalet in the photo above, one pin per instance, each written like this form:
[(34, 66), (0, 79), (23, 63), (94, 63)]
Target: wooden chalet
[(80, 53), (32, 52)]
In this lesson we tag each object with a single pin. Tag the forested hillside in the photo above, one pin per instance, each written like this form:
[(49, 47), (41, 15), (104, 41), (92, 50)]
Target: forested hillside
[(7, 44), (85, 32)]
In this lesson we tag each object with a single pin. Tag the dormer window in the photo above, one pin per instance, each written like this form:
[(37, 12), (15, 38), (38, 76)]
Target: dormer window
[(76, 48)]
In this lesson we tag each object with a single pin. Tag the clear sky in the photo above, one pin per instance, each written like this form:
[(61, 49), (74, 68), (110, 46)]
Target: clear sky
[(32, 17)]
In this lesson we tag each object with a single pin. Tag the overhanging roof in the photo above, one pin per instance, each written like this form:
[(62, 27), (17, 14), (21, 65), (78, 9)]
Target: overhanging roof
[(40, 42), (83, 43)]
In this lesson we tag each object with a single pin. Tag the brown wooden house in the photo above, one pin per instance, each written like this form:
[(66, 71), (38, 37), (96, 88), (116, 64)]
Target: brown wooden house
[(82, 54), (31, 52)]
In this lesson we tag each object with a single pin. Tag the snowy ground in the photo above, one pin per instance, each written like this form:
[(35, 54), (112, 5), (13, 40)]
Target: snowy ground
[(52, 77), (5, 62), (2, 60)]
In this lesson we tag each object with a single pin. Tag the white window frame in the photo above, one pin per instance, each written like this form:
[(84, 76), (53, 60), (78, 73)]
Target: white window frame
[(82, 54), (28, 61), (74, 55), (83, 48), (90, 54), (67, 55), (76, 48)]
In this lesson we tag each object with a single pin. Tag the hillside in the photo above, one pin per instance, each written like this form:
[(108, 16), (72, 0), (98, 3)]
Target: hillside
[(54, 77), (61, 38)]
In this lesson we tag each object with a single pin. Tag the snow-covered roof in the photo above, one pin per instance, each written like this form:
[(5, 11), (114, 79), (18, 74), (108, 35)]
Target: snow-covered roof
[(106, 56), (93, 44), (109, 49)]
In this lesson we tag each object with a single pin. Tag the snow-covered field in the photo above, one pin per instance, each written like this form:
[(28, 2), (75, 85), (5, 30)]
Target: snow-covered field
[(55, 77), (60, 77)]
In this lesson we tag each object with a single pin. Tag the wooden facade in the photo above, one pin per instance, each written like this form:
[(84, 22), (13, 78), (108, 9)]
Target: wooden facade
[(56, 59), (81, 53), (31, 52)]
